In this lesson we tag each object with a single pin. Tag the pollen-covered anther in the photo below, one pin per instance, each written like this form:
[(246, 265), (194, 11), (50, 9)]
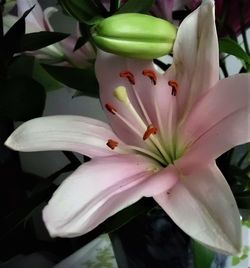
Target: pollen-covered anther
[(175, 87), (129, 76), (150, 130), (112, 144), (151, 75), (110, 108)]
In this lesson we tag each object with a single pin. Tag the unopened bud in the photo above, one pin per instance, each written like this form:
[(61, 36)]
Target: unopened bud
[(135, 35)]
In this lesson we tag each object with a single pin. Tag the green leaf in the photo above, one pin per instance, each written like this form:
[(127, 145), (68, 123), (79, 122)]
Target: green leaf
[(243, 257), (203, 257), (22, 65), (29, 66), (83, 11), (229, 46), (124, 216), (21, 98), (38, 40), (136, 6), (17, 217), (81, 41), (44, 78), (246, 223), (13, 37), (83, 80), (235, 260)]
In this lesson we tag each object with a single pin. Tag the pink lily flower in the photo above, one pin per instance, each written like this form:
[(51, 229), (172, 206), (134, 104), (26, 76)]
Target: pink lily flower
[(166, 132), (61, 53)]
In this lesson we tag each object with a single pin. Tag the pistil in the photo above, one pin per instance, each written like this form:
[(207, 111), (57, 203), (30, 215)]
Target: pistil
[(121, 94)]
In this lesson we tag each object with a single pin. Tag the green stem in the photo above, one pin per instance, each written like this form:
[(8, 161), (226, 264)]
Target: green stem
[(223, 68)]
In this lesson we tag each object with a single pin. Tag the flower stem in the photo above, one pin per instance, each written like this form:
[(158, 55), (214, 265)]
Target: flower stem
[(223, 68)]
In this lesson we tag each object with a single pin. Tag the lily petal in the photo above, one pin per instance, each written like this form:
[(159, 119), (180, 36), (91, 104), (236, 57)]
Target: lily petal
[(72, 133), (203, 206), (35, 17), (48, 12), (95, 191), (218, 122), (195, 65)]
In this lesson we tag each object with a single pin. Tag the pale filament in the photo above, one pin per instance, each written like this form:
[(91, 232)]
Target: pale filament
[(121, 94)]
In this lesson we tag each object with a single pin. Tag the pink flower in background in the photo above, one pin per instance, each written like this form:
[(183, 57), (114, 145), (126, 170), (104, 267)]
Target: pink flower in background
[(166, 132), (237, 11), (60, 53), (231, 9)]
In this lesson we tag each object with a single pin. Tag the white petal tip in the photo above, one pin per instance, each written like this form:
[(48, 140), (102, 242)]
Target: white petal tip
[(10, 144)]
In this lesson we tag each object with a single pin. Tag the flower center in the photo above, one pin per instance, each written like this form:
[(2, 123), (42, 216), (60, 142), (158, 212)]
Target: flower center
[(152, 136)]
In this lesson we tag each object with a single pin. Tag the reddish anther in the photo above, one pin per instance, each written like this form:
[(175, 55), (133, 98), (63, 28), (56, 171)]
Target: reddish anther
[(110, 108), (129, 76), (175, 86), (151, 75), (112, 144), (150, 130)]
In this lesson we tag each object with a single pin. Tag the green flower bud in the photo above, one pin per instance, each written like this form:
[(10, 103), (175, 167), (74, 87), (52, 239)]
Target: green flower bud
[(135, 35)]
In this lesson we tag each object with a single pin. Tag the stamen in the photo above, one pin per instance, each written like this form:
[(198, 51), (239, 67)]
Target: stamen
[(112, 144), (149, 153), (151, 75), (129, 76), (110, 108), (150, 130), (121, 94), (175, 87)]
